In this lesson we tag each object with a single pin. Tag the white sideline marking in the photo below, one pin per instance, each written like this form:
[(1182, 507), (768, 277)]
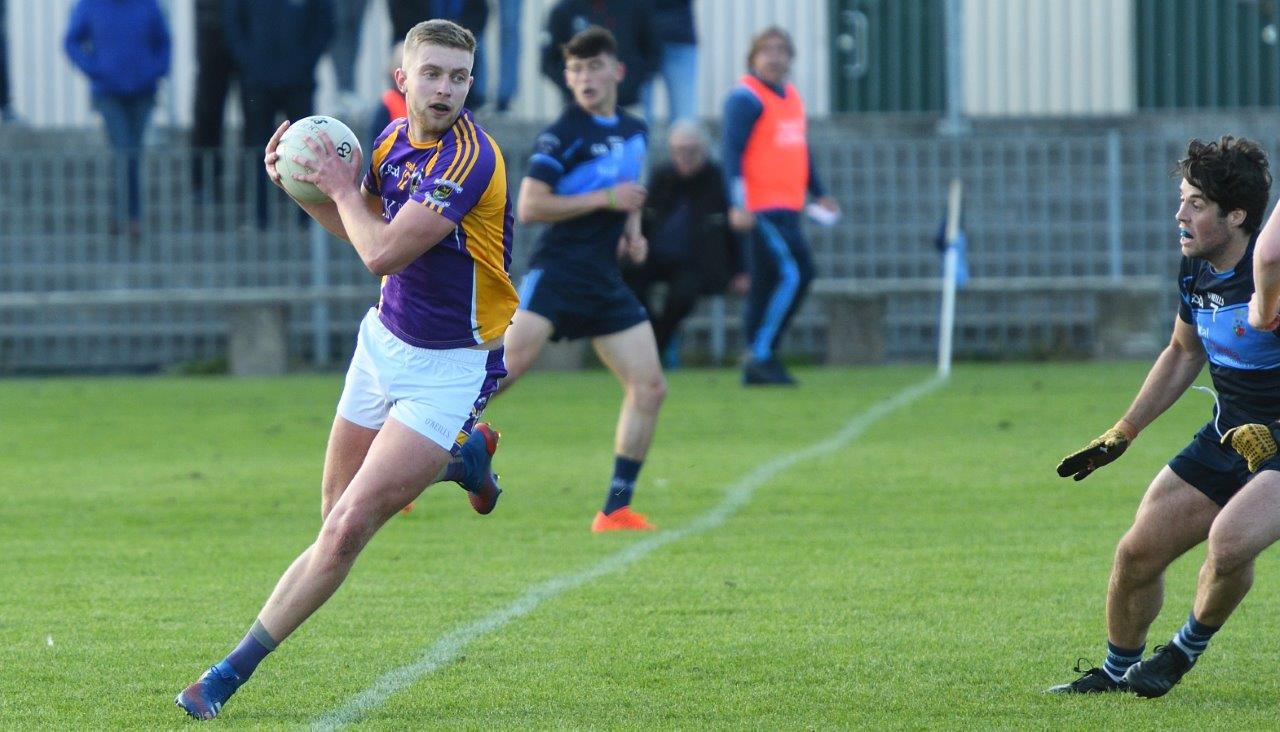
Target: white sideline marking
[(449, 646)]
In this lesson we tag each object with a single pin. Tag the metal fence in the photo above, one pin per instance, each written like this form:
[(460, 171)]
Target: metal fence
[(1043, 202)]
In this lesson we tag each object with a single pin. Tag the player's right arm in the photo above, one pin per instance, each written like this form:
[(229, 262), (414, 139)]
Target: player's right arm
[(325, 212), (1265, 304), (539, 203), (741, 112), (1171, 375)]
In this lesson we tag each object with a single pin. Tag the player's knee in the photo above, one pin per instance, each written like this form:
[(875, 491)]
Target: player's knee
[(1228, 553), (649, 392), (1136, 559), (342, 537)]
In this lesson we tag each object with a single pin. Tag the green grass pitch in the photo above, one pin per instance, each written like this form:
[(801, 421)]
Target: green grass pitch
[(932, 574)]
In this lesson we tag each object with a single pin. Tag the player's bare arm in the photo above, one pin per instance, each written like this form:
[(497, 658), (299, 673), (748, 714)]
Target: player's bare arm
[(632, 245), (1265, 304), (538, 203), (325, 212), (1172, 374), (385, 248)]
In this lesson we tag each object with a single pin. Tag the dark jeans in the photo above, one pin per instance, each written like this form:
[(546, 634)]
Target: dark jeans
[(348, 19), (781, 269), (4, 61), (683, 288), (216, 70), (509, 51), (263, 111), (126, 118)]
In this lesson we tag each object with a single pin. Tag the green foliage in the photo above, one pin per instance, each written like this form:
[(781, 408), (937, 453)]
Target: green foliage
[(932, 574)]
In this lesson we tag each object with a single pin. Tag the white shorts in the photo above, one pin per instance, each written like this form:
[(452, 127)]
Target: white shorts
[(438, 393)]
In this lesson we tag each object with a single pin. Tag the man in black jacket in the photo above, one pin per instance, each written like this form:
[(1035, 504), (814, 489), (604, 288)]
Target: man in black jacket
[(691, 248), (632, 24), (276, 45)]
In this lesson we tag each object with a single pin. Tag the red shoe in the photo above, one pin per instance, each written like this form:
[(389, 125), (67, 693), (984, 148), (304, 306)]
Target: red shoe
[(484, 495), (622, 519)]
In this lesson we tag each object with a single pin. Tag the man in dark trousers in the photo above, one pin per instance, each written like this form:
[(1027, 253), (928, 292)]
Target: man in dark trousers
[(276, 45), (632, 24), (771, 172), (215, 70), (691, 248)]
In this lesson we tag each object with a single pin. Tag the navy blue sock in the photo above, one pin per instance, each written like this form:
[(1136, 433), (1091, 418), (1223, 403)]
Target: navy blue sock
[(1194, 637), (255, 646), (625, 472), (1120, 659), (456, 470)]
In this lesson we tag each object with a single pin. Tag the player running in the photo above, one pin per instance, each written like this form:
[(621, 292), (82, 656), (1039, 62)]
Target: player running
[(434, 220), (582, 180), (1207, 490)]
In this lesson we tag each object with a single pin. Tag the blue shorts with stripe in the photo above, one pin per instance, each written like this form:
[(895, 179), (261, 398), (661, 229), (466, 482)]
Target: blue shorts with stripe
[(580, 307)]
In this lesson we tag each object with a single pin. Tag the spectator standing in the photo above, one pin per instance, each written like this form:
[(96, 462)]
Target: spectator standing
[(392, 104), (677, 61), (6, 104), (215, 70), (123, 47), (770, 167), (470, 14), (509, 12), (276, 45), (632, 26), (348, 19), (691, 248)]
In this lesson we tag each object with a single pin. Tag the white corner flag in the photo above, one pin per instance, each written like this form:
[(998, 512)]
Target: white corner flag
[(952, 242)]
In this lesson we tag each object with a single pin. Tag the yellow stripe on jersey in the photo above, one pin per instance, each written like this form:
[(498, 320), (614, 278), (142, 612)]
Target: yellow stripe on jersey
[(495, 297), (380, 154), (475, 153), (463, 145)]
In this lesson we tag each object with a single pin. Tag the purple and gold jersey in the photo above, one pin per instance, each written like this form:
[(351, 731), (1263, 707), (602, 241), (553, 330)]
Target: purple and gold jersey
[(459, 292)]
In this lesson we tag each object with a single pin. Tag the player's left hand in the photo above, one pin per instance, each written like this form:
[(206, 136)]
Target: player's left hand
[(1254, 442), (330, 173), (829, 204), (1258, 320), (1104, 449)]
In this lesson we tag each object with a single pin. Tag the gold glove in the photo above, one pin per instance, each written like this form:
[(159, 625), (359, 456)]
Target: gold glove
[(1106, 448), (1254, 442)]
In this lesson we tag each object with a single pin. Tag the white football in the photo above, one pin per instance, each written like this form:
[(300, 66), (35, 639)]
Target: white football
[(294, 143)]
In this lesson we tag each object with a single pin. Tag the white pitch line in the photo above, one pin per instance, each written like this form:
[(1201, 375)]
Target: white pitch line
[(448, 647)]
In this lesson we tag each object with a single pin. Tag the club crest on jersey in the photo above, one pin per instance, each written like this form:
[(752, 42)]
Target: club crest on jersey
[(1237, 327), (444, 188)]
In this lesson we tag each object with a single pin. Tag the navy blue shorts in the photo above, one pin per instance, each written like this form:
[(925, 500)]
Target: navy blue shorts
[(579, 307), (1211, 467)]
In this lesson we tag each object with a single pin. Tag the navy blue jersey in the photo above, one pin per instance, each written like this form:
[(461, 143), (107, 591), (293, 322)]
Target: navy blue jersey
[(577, 154), (1244, 363)]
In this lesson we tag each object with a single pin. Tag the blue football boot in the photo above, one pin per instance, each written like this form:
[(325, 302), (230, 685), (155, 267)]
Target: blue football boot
[(481, 482), (204, 698)]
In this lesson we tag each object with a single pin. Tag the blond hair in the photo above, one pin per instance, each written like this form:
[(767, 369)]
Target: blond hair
[(440, 33)]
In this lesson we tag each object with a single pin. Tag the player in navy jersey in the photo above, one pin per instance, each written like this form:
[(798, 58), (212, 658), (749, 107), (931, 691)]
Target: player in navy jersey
[(583, 179), (1207, 491), (433, 219)]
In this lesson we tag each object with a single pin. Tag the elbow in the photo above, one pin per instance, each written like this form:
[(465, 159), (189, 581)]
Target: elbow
[(525, 214), (381, 266)]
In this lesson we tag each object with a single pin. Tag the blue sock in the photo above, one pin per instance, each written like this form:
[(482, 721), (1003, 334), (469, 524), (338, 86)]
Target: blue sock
[(456, 470), (1194, 637), (244, 660), (1120, 659), (625, 471)]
